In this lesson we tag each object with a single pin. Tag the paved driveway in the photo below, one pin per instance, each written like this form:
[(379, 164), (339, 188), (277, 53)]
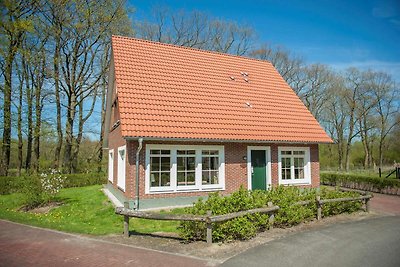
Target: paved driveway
[(22, 245)]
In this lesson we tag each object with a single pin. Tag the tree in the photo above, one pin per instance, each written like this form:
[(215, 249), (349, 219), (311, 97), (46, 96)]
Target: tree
[(15, 22), (387, 108), (195, 29)]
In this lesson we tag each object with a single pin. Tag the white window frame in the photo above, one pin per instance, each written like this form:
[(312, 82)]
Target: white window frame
[(267, 150), (173, 187), (111, 165), (307, 166), (121, 176)]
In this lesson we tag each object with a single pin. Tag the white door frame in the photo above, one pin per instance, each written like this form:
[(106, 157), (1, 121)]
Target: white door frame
[(121, 176), (267, 150)]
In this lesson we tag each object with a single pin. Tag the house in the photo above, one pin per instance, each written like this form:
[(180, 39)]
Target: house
[(183, 122)]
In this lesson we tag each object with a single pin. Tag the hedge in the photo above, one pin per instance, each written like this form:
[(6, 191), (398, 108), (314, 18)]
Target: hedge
[(12, 184), (362, 182), (246, 227)]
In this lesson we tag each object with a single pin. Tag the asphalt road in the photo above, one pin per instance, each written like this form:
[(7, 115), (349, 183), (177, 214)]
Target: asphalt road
[(373, 242)]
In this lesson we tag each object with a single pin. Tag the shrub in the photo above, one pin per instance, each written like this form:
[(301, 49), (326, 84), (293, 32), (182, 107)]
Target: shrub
[(247, 226), (335, 208), (13, 184), (40, 190), (358, 181)]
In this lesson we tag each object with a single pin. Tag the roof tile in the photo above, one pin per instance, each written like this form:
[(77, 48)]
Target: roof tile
[(167, 91)]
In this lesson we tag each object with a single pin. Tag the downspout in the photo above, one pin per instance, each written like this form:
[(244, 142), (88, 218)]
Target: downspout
[(140, 141)]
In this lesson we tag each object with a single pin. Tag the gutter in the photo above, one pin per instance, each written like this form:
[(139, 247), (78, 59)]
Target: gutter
[(228, 141), (140, 141)]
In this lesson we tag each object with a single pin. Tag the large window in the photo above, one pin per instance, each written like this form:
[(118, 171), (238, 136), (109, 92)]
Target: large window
[(186, 164), (294, 165), (160, 168), (210, 166), (181, 168)]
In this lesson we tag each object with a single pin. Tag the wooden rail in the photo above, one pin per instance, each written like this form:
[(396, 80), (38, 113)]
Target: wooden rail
[(209, 219)]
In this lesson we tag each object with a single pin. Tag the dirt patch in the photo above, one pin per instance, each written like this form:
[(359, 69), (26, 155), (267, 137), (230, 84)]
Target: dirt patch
[(220, 252), (42, 209)]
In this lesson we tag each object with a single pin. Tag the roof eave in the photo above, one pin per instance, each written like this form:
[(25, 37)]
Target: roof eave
[(134, 138)]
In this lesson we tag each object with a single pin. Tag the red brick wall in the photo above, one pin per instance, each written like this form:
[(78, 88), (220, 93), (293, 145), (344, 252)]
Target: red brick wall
[(115, 140), (235, 166)]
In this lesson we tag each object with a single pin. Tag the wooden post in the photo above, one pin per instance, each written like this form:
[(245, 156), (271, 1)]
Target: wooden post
[(367, 204), (271, 217), (126, 221), (209, 228), (319, 208)]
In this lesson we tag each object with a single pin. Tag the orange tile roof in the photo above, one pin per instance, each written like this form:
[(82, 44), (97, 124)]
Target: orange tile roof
[(167, 91)]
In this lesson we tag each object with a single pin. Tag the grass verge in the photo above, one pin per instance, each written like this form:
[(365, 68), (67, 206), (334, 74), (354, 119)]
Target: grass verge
[(86, 210)]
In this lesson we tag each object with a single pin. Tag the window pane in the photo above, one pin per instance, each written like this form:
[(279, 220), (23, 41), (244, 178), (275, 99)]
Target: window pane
[(191, 163), (165, 152), (213, 152), (165, 179), (181, 163), (165, 164), (205, 152), (155, 164), (288, 174), (214, 163), (206, 163), (285, 162), (181, 178), (205, 177), (155, 152), (181, 152), (286, 152), (301, 173), (214, 177), (191, 152), (298, 152), (155, 179), (190, 178)]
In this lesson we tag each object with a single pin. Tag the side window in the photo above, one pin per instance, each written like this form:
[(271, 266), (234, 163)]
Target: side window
[(111, 165), (294, 165)]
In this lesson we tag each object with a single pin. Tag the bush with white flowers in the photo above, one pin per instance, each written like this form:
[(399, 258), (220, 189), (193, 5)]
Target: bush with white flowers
[(52, 182)]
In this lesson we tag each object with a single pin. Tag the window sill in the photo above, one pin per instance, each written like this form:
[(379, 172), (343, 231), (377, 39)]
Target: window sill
[(294, 182), (185, 190)]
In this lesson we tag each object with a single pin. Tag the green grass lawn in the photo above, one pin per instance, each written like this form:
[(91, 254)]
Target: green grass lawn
[(85, 210)]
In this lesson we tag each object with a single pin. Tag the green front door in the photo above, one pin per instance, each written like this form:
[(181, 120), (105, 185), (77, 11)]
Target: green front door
[(258, 172)]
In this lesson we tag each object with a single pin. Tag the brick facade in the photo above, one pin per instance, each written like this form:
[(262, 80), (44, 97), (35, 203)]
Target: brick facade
[(235, 165)]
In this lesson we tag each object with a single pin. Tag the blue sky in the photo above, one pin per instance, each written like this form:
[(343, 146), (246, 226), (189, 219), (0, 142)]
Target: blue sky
[(364, 34)]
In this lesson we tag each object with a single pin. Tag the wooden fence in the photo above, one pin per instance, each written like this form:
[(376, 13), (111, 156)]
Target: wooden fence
[(209, 219)]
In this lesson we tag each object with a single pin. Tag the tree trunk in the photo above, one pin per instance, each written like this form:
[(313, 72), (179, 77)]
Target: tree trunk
[(29, 138), (37, 130), (57, 151), (19, 126), (69, 138), (6, 144)]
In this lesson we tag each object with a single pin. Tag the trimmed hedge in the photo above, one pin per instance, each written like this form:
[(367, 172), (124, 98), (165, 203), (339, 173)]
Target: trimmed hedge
[(246, 227), (362, 182), (13, 184)]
